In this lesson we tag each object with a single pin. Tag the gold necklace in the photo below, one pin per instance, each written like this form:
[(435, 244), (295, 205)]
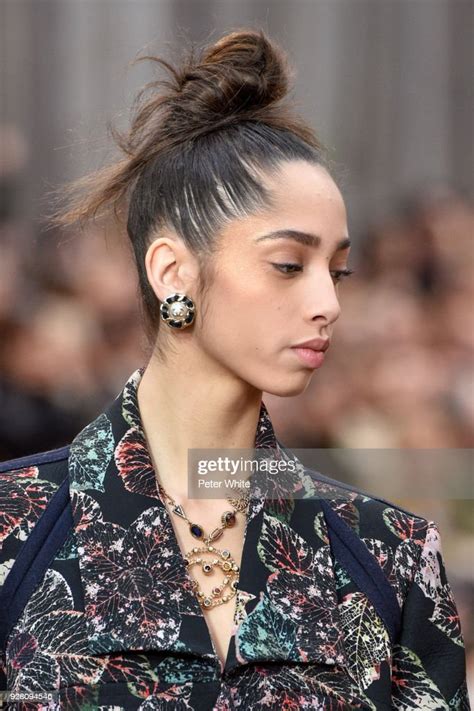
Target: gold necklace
[(222, 559)]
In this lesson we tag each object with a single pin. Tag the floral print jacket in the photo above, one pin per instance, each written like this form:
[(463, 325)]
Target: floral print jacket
[(342, 599)]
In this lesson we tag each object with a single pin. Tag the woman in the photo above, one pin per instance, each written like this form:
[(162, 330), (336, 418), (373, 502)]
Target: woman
[(121, 590)]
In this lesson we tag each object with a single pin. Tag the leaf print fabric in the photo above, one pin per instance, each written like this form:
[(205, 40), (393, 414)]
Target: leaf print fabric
[(126, 576), (133, 464), (403, 526), (111, 620), (445, 615), (91, 455), (301, 588), (50, 642), (413, 686), (431, 645), (23, 497), (365, 638)]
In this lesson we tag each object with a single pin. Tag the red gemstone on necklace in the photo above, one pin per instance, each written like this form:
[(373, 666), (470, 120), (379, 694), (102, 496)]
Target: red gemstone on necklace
[(228, 518)]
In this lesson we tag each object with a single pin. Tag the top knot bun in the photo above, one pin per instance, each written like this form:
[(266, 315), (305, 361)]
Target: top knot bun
[(243, 76), (242, 73)]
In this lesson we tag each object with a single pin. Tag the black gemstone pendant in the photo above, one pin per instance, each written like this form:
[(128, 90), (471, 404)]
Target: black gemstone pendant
[(196, 530)]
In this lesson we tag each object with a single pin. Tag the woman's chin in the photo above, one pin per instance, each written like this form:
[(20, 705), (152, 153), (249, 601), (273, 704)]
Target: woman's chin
[(290, 385)]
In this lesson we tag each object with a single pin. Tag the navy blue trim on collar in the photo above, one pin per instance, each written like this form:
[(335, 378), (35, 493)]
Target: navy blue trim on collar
[(31, 460), (364, 569), (34, 558)]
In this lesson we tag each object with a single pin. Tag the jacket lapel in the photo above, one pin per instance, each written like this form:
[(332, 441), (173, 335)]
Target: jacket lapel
[(287, 577), (137, 591)]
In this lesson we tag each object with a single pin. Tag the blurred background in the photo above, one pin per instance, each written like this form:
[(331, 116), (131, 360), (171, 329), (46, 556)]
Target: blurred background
[(388, 86)]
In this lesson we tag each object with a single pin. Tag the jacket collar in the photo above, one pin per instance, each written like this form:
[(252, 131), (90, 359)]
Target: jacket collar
[(137, 592)]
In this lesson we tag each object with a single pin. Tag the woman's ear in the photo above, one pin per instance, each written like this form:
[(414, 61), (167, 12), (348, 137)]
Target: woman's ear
[(170, 267)]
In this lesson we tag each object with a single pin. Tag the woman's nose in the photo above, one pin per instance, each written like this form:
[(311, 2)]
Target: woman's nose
[(324, 301)]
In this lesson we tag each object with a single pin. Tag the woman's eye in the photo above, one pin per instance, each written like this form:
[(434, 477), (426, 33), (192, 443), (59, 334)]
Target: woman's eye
[(287, 268), (339, 274)]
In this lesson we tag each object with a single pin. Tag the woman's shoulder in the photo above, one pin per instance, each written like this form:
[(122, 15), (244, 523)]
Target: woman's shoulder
[(356, 506), (16, 468), (372, 518), (41, 471), (336, 490)]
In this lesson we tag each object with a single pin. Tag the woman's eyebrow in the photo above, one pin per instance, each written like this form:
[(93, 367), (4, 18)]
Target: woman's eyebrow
[(303, 238)]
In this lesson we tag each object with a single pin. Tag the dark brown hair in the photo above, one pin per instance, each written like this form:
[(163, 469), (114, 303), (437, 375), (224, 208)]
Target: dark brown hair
[(197, 143)]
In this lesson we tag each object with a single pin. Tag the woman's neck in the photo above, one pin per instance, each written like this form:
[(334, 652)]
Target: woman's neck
[(190, 403)]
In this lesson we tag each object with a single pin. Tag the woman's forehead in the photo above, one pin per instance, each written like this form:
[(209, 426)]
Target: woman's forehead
[(306, 199), (300, 180)]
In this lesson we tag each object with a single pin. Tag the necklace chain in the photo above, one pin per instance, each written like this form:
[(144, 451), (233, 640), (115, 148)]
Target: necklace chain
[(221, 558)]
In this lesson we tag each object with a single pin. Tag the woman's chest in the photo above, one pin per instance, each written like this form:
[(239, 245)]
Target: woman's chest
[(215, 573)]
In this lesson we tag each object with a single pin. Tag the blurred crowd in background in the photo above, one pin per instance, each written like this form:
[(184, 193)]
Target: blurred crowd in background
[(399, 373)]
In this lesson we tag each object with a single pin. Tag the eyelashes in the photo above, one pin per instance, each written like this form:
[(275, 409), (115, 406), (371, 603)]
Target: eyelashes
[(342, 274), (337, 274)]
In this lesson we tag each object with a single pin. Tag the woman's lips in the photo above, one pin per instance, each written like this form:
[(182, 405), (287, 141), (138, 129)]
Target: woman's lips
[(310, 357)]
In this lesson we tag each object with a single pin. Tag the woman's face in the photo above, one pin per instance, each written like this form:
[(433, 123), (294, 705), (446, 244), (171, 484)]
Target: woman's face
[(256, 310)]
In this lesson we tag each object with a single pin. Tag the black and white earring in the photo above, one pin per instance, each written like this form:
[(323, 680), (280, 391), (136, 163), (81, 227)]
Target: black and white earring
[(177, 310)]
